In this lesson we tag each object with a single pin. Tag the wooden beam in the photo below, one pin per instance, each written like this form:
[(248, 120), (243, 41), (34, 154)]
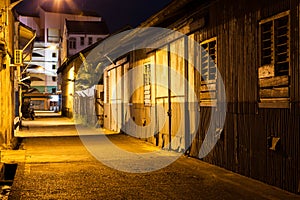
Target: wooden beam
[(275, 93), (274, 105), (266, 71), (274, 81), (207, 95), (208, 87), (208, 103), (208, 82), (275, 17), (274, 100), (209, 40)]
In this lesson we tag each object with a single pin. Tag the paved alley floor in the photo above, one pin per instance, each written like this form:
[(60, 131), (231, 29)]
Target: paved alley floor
[(64, 168), (52, 126)]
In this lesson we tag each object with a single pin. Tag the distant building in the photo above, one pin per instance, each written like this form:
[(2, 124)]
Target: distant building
[(49, 24), (73, 102), (78, 35)]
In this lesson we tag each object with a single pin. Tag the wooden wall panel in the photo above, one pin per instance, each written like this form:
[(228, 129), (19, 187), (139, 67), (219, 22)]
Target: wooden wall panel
[(243, 145), (244, 148)]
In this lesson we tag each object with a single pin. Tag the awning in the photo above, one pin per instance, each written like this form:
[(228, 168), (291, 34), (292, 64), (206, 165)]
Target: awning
[(36, 79), (32, 66), (26, 39), (37, 69), (30, 90)]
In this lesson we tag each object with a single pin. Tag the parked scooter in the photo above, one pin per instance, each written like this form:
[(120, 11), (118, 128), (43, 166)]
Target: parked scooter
[(27, 112)]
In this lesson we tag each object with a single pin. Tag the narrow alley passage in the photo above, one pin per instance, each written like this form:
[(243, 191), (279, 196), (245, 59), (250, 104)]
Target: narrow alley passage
[(55, 167)]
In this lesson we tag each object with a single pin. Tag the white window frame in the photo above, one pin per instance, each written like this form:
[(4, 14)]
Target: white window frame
[(72, 43)]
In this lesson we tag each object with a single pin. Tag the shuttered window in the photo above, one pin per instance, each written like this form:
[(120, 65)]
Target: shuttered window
[(273, 72), (208, 70), (147, 84)]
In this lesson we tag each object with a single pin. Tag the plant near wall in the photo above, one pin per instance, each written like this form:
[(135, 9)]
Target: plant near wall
[(89, 74)]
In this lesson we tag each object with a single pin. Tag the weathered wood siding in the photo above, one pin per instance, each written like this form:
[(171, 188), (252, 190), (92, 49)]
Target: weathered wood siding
[(7, 77), (244, 145)]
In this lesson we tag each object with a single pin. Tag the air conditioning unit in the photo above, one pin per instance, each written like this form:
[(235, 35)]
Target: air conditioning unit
[(18, 57)]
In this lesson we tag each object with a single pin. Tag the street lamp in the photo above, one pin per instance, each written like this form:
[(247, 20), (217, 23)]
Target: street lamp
[(59, 3)]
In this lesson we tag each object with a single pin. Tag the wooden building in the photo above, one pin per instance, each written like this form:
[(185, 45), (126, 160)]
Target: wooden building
[(80, 104), (255, 46)]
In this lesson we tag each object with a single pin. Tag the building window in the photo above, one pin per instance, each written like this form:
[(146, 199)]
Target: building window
[(53, 78), (72, 43), (90, 40), (53, 55), (53, 35), (208, 63), (81, 41), (53, 66), (53, 90), (147, 85), (274, 69)]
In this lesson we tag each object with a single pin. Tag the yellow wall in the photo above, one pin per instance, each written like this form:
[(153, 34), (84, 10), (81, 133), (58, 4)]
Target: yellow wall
[(141, 113), (6, 81), (68, 90), (6, 104)]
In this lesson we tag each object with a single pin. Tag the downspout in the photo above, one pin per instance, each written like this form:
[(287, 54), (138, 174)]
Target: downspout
[(169, 98), (187, 102)]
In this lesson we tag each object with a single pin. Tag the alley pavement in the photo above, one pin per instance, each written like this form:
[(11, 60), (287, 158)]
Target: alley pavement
[(53, 163)]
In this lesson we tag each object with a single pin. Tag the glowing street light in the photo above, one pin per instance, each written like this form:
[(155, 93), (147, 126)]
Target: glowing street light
[(60, 3)]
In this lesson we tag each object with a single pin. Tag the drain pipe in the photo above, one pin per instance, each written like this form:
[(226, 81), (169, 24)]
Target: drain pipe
[(169, 98)]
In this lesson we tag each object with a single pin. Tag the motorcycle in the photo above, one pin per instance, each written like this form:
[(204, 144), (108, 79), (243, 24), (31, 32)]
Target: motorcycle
[(27, 112)]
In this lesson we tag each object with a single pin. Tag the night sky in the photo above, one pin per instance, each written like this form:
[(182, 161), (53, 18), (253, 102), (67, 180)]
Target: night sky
[(116, 13)]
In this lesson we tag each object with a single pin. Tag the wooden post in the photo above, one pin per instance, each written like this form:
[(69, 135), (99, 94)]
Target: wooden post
[(186, 94)]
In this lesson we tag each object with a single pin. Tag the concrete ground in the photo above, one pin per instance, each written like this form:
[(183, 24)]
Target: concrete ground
[(63, 168), (46, 113)]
